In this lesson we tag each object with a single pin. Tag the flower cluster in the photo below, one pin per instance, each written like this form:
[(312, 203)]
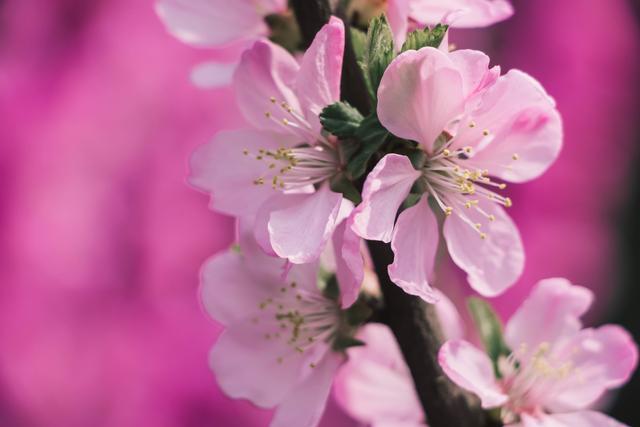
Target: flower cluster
[(311, 178)]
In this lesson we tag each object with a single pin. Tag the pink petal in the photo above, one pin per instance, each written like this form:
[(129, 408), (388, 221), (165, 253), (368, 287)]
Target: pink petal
[(398, 17), (233, 285), (263, 81), (451, 322), (414, 244), (246, 363), (602, 359), (386, 187), (349, 262), (211, 22), (318, 83), (492, 264), (304, 405), (301, 225), (419, 94), (474, 68), (375, 385), (222, 169), (551, 311), (472, 370), (572, 419), (522, 121), (461, 13)]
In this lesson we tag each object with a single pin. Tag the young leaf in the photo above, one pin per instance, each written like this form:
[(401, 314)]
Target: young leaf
[(341, 119), (340, 184), (372, 135), (342, 343), (427, 37), (359, 43), (490, 330), (379, 50)]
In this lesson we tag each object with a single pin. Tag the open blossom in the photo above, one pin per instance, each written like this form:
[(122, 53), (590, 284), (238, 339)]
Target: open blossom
[(404, 15), (279, 171), (474, 128), (217, 24), (375, 386), (556, 370), (278, 346)]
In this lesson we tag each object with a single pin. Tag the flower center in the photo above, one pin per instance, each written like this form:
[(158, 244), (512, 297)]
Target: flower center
[(299, 319), (457, 187), (295, 168), (528, 383)]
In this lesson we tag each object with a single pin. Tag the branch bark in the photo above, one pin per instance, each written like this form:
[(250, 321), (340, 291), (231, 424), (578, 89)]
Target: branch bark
[(416, 328), (413, 322)]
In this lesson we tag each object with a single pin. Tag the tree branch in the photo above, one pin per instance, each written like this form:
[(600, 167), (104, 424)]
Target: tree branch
[(413, 322), (416, 328)]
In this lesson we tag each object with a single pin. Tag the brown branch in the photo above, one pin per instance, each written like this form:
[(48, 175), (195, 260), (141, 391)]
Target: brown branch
[(413, 322), (416, 328)]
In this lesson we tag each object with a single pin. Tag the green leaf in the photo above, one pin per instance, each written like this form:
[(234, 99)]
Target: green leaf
[(358, 313), (331, 289), (372, 136), (341, 184), (379, 51), (344, 342), (359, 43), (490, 330), (427, 37), (341, 119)]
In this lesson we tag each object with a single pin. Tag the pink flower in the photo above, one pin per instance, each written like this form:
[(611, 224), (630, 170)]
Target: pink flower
[(279, 344), (556, 370), (278, 171), (471, 124), (375, 386), (459, 13), (404, 15), (217, 24)]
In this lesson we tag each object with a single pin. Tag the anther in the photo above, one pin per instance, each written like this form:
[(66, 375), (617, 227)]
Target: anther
[(272, 99), (507, 202), (483, 236), (515, 156), (485, 132), (448, 210)]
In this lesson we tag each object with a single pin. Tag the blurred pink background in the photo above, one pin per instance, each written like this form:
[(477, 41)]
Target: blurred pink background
[(102, 241)]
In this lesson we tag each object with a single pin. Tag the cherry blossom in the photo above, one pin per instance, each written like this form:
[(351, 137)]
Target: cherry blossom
[(405, 15), (475, 129), (278, 171), (217, 24), (556, 370), (280, 344)]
